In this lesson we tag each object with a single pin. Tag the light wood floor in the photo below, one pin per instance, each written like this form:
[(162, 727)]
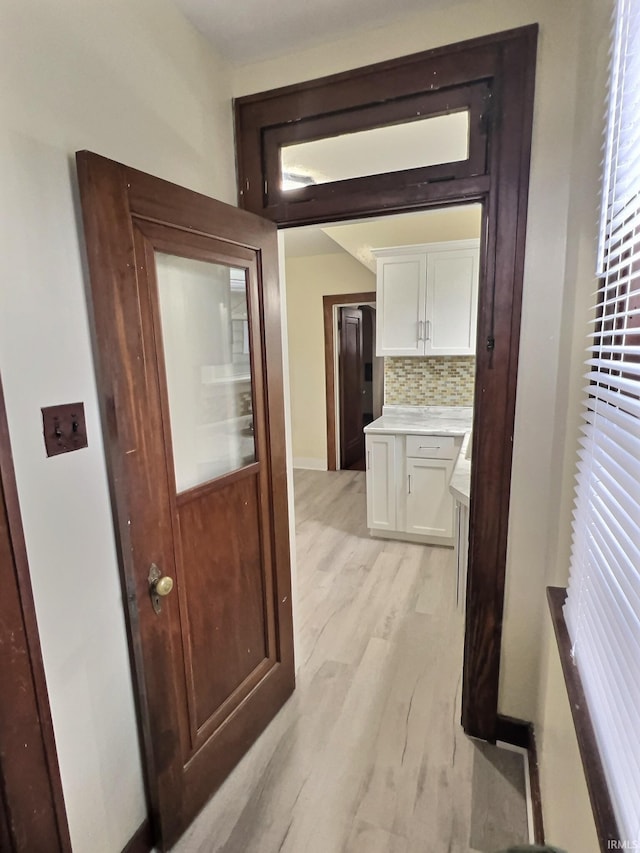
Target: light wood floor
[(368, 755)]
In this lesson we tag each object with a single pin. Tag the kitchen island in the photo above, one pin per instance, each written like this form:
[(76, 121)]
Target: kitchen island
[(417, 469)]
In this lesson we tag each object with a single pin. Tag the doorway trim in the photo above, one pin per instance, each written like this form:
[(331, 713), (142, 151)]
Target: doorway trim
[(32, 812), (328, 303), (505, 64)]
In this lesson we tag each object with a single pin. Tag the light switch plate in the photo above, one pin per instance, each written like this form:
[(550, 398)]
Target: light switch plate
[(64, 428)]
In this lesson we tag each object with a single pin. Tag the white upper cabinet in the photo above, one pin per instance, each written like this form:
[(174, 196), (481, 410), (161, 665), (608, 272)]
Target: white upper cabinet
[(427, 298), (452, 302), (401, 299)]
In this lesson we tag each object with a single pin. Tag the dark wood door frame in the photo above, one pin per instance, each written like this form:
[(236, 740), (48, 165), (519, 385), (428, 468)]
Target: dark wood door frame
[(501, 119), (328, 303), (32, 813)]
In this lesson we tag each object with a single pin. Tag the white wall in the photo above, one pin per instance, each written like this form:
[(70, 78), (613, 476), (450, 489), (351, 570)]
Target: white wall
[(308, 280), (560, 762), (131, 80), (542, 458)]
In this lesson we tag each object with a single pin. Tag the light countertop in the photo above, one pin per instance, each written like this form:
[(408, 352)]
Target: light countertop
[(423, 420), (460, 482)]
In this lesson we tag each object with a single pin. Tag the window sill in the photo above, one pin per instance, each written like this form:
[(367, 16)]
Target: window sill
[(605, 820)]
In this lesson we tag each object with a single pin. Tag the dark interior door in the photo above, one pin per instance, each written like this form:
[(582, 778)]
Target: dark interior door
[(351, 372), (186, 314)]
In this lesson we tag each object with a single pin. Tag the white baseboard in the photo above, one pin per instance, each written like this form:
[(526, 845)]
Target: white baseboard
[(310, 463)]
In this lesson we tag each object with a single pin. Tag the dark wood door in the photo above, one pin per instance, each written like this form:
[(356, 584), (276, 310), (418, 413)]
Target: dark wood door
[(351, 372), (186, 315)]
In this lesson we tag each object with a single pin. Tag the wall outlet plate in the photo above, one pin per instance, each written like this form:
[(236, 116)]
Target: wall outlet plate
[(64, 428)]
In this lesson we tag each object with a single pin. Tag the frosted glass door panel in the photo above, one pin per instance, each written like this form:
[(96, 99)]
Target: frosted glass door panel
[(205, 331)]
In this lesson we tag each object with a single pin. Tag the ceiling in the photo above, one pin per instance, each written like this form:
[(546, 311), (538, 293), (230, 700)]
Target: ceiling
[(360, 237), (250, 30)]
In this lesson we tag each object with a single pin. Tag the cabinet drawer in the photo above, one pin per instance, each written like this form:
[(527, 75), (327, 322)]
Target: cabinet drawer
[(431, 446)]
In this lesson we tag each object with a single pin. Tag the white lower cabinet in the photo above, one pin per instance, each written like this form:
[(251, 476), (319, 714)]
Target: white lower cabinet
[(408, 493), (429, 505), (381, 482)]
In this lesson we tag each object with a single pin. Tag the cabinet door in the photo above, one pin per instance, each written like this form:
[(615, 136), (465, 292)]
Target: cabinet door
[(381, 482), (429, 504), (452, 302), (401, 297)]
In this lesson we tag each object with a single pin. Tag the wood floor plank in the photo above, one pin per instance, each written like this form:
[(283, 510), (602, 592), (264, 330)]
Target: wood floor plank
[(331, 793), (368, 756), (366, 838), (389, 800)]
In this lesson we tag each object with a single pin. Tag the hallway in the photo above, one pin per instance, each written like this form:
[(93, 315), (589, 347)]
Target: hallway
[(368, 755)]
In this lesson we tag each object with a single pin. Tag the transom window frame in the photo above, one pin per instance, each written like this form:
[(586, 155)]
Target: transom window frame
[(505, 64), (475, 99)]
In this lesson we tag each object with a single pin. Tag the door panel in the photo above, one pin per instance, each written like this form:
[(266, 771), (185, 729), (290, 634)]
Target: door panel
[(381, 482), (452, 302), (351, 387), (224, 578), (429, 502), (401, 293), (227, 573), (188, 344)]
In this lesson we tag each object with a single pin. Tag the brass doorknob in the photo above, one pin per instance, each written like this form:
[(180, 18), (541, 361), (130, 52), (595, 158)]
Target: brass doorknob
[(159, 586), (163, 586)]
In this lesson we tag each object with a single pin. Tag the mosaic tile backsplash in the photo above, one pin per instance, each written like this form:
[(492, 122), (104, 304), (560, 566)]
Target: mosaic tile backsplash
[(437, 381)]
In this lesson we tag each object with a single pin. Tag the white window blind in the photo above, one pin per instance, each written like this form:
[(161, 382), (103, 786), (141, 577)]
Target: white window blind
[(603, 603)]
